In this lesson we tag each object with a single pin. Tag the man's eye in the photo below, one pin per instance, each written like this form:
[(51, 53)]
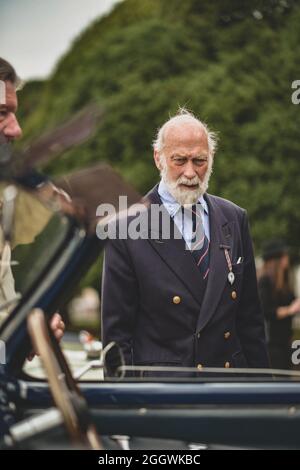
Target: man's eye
[(3, 114), (179, 161), (199, 161)]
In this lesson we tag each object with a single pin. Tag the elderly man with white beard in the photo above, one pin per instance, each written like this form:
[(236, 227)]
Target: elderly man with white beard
[(189, 300)]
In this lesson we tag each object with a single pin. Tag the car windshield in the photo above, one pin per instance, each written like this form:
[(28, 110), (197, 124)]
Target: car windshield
[(30, 233)]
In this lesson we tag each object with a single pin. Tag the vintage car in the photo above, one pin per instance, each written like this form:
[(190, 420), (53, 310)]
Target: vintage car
[(48, 243)]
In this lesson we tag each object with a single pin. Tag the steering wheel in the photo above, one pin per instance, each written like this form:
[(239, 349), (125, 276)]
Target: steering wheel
[(65, 392)]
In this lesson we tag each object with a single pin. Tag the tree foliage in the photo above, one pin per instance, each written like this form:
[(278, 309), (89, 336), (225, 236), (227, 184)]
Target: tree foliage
[(231, 62)]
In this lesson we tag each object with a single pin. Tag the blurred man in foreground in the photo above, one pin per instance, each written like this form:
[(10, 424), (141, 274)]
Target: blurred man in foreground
[(9, 131)]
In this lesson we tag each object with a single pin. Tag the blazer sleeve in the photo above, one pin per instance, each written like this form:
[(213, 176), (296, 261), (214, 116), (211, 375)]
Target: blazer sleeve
[(119, 300), (250, 319)]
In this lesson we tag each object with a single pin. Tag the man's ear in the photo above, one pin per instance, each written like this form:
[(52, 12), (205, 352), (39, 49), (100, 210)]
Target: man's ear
[(157, 160)]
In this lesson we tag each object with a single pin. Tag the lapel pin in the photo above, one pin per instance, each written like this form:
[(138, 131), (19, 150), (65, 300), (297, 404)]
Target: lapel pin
[(230, 276)]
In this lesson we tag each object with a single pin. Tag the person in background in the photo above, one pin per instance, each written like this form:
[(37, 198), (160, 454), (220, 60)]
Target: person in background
[(278, 302)]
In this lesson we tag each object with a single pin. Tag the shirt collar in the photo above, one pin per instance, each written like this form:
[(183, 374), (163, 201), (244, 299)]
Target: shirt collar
[(170, 202)]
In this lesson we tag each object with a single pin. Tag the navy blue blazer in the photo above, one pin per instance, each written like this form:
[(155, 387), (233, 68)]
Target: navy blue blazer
[(153, 308)]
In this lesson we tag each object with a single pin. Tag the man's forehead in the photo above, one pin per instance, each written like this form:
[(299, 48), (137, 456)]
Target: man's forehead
[(195, 139), (2, 92), (186, 132)]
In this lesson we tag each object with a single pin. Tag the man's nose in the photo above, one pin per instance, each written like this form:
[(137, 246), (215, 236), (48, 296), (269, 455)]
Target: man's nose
[(189, 170), (13, 129)]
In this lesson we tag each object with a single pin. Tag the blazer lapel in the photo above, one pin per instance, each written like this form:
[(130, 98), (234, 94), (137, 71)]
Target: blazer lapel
[(220, 237)]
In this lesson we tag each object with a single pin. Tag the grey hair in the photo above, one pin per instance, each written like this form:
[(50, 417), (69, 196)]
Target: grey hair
[(8, 74), (182, 116)]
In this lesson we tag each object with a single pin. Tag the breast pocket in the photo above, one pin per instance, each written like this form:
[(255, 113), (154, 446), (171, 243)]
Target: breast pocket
[(238, 268)]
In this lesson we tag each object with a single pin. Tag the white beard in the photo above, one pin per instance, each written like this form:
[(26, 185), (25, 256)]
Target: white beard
[(186, 196)]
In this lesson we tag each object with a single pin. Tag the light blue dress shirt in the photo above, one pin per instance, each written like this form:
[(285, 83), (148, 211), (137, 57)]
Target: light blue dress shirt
[(184, 225)]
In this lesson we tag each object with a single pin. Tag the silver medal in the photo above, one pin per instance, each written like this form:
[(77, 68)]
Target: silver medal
[(231, 277)]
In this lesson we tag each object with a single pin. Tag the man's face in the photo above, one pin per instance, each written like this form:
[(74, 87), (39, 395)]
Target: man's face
[(9, 126), (185, 163)]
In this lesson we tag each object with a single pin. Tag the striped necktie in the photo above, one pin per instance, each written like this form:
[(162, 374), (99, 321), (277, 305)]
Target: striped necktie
[(200, 242)]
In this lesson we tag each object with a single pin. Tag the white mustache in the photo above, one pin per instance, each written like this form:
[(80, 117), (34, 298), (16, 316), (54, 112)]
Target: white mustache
[(187, 182)]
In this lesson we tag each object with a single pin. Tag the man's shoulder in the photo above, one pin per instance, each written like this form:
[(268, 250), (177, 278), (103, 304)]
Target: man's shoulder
[(226, 205)]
